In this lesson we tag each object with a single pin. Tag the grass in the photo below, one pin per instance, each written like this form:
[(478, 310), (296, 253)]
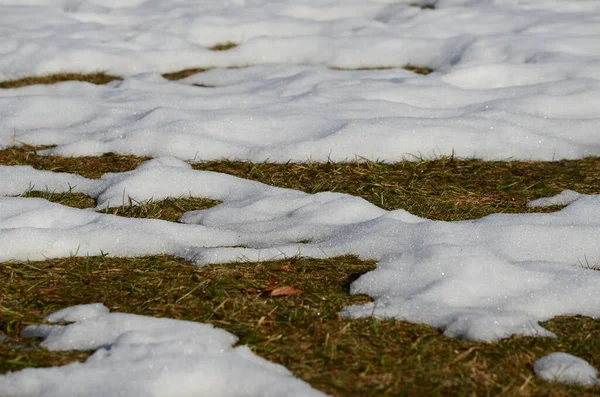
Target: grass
[(103, 78), (418, 69), (447, 189), (423, 6), (223, 46), (341, 357), (411, 68), (94, 78), (183, 73)]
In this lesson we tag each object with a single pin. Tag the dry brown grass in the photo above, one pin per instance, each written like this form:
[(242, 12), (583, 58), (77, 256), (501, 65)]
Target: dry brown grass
[(443, 189), (183, 74), (103, 78), (94, 78), (223, 46)]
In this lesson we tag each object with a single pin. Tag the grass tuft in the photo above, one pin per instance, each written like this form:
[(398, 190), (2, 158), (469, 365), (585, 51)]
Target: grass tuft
[(169, 209), (409, 67), (103, 78), (94, 78), (423, 6), (418, 69), (223, 46), (183, 73)]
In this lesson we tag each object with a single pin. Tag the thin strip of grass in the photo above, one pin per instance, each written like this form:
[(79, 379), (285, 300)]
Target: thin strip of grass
[(89, 166), (223, 46), (182, 74), (101, 78), (169, 209), (94, 78), (415, 69), (444, 189), (423, 6), (419, 69), (75, 200), (305, 333)]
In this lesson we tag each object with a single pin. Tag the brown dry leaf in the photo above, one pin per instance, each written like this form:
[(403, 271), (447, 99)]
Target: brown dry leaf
[(285, 291), (272, 285)]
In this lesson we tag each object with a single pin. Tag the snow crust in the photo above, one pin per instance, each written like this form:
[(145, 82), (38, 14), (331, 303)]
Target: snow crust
[(482, 279), (146, 356), (565, 368)]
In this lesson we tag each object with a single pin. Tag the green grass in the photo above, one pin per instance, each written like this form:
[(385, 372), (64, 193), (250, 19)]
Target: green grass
[(305, 333)]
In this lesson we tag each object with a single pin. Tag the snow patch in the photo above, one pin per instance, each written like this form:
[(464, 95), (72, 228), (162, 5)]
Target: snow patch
[(139, 355), (565, 368)]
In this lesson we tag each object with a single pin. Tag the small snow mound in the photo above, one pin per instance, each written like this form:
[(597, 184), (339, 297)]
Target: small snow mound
[(77, 313), (565, 368), (164, 161), (147, 356), (563, 198)]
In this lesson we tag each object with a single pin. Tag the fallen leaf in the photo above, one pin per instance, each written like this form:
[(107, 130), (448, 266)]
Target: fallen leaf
[(272, 285), (285, 291)]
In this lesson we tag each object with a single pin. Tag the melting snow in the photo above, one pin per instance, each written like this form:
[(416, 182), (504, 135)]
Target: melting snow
[(565, 368), (513, 79), (287, 112), (146, 356)]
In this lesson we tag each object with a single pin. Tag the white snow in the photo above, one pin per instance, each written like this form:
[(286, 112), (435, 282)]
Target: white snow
[(565, 368), (563, 198), (281, 112), (513, 80), (127, 37), (146, 356), (148, 35)]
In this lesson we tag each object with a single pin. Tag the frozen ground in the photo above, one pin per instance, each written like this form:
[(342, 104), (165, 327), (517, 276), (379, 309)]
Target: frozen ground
[(513, 79)]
